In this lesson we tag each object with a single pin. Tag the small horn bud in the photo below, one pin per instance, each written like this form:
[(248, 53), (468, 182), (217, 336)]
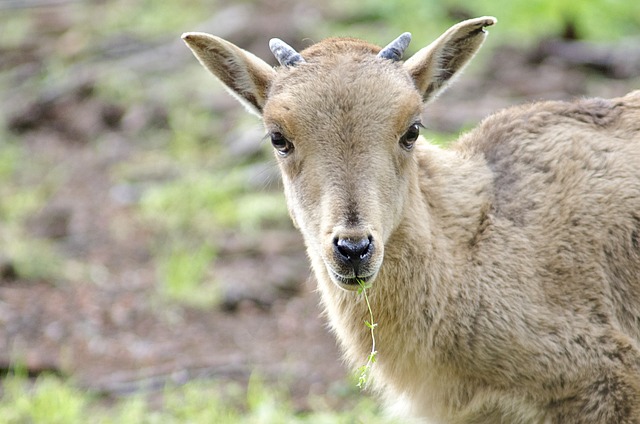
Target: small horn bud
[(285, 54), (396, 48)]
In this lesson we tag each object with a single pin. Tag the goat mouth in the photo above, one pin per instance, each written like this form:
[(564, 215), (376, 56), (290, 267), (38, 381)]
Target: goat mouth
[(350, 283)]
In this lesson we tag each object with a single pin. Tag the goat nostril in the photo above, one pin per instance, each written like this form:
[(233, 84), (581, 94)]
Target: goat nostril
[(354, 250)]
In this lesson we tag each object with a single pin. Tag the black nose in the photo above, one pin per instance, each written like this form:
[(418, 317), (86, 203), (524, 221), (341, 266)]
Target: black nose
[(354, 251)]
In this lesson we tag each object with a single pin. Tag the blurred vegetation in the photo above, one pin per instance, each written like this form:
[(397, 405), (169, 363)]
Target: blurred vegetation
[(592, 19), (50, 400), (189, 188), (520, 21), (20, 197)]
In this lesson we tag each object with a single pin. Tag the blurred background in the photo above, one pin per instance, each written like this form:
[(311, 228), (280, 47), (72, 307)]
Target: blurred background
[(148, 268)]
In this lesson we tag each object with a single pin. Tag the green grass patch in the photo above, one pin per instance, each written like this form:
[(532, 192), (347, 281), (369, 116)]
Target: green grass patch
[(594, 20), (33, 259), (20, 198), (205, 203), (48, 400), (381, 21), (10, 157), (52, 400), (190, 216), (151, 18), (194, 202), (184, 276)]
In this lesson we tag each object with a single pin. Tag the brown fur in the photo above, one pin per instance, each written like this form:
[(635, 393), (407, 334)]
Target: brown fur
[(506, 269)]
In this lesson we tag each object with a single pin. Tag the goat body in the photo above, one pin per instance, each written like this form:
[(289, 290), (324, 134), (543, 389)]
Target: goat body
[(504, 270)]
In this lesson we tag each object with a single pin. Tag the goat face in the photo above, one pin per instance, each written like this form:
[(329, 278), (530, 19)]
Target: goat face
[(343, 116), (343, 131)]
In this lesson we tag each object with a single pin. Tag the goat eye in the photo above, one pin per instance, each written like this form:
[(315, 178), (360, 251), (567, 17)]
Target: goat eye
[(409, 138), (281, 144)]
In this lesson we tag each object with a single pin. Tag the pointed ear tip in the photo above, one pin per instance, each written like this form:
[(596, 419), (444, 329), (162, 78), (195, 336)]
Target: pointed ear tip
[(489, 20), (193, 37)]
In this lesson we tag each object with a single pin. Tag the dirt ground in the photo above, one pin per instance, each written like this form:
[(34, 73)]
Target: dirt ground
[(111, 333)]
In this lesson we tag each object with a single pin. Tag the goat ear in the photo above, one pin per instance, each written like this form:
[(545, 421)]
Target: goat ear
[(246, 76), (433, 67)]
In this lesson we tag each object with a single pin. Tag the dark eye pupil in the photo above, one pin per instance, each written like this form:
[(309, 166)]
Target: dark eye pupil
[(413, 133), (277, 139), (409, 138), (280, 143)]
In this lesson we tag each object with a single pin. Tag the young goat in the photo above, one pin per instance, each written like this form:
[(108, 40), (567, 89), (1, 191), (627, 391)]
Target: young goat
[(504, 270)]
